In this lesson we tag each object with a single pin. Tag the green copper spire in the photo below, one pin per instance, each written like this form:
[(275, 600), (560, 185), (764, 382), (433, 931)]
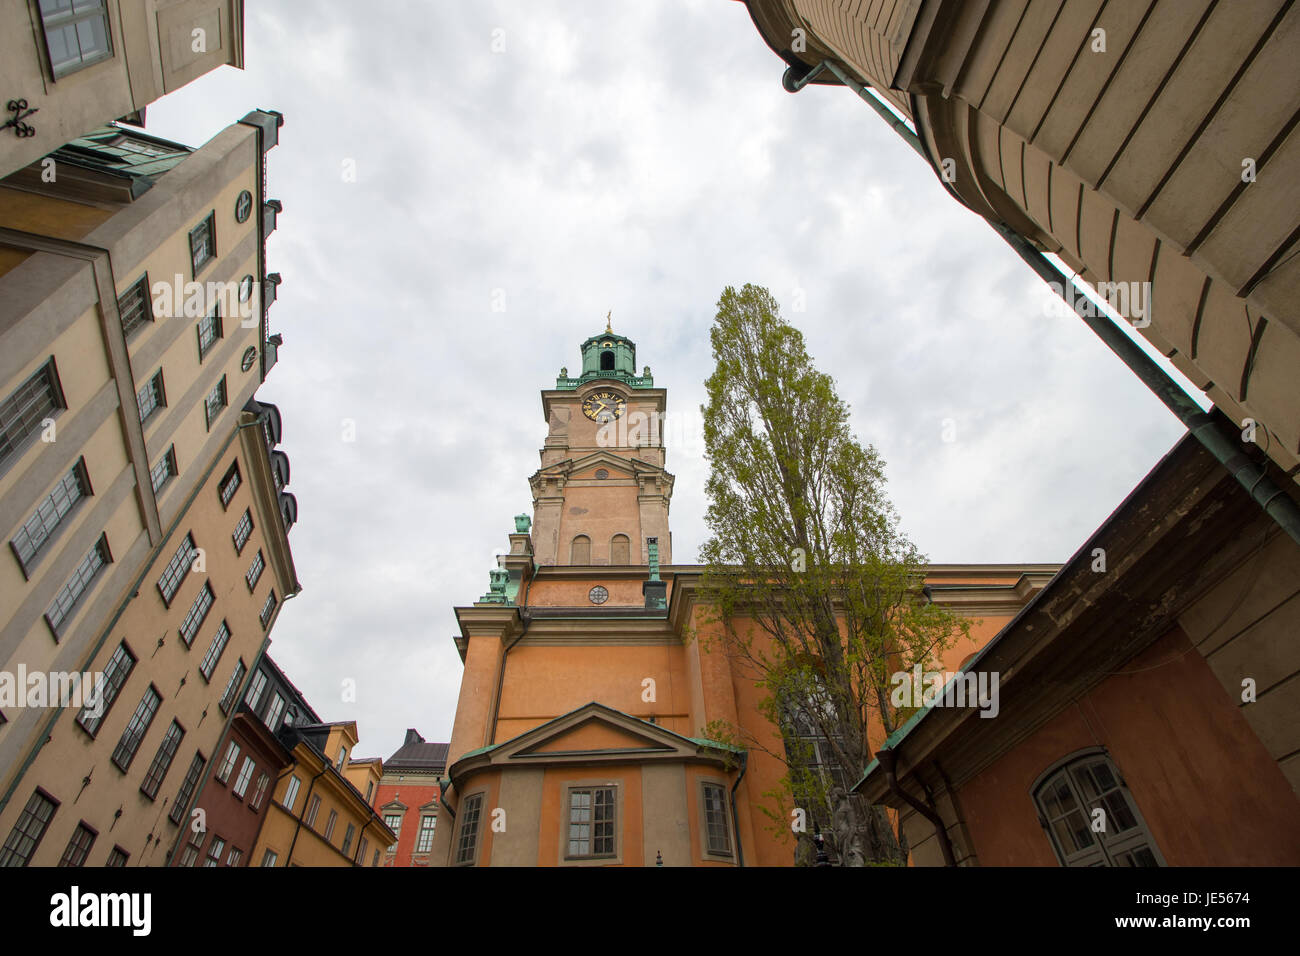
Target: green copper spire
[(607, 355)]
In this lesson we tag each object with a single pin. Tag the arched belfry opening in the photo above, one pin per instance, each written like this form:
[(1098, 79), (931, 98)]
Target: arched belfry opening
[(607, 361)]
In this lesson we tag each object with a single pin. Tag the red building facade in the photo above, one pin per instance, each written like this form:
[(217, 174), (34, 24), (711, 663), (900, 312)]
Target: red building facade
[(408, 798)]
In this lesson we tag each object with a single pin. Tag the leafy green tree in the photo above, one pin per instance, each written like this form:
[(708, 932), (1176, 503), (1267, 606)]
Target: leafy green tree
[(818, 592)]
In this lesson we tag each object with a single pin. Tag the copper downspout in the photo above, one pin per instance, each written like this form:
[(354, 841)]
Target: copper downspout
[(288, 860), (888, 763), (735, 821)]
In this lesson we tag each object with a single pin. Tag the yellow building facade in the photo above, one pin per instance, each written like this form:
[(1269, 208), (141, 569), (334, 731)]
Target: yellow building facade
[(319, 814), (141, 489)]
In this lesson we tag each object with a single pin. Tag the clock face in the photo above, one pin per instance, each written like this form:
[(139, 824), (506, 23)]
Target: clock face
[(603, 406)]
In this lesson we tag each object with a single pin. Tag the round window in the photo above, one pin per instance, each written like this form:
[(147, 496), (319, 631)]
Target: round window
[(245, 288), (602, 473), (250, 356), (243, 206), (598, 595)]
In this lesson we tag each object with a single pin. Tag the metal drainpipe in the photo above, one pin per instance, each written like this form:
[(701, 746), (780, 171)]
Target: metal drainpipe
[(735, 821), (888, 762), (1213, 429), (306, 800), (451, 839), (501, 671)]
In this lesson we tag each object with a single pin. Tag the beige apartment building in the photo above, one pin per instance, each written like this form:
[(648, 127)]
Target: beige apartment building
[(81, 64), (141, 490), (1151, 141)]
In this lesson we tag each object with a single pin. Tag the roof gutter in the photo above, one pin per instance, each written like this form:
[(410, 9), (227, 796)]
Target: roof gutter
[(1213, 429)]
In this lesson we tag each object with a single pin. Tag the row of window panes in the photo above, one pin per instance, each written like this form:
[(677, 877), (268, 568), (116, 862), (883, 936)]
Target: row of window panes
[(116, 673), (134, 305), (619, 550), (1085, 783), (213, 857), (591, 825), (31, 826)]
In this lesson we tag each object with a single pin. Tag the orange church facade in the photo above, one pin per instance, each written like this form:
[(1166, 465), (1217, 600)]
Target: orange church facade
[(579, 736)]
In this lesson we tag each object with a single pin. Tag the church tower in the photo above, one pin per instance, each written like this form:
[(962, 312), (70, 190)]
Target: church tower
[(593, 687), (601, 495)]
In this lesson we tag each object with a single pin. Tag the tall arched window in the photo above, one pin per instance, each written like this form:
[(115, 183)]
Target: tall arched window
[(581, 553), (607, 361), (1090, 817), (618, 550)]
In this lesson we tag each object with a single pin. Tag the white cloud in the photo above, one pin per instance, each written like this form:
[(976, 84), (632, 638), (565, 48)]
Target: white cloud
[(633, 157)]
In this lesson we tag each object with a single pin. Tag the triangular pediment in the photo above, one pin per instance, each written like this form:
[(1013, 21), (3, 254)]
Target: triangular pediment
[(594, 733), (394, 805), (586, 465)]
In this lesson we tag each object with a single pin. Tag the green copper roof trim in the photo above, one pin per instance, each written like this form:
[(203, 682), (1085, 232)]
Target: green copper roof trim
[(715, 744), (475, 753), (566, 384), (891, 743)]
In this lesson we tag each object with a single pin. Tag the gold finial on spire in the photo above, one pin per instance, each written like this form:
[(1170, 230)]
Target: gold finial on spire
[(608, 327)]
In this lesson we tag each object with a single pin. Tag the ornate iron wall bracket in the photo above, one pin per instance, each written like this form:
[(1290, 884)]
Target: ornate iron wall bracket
[(21, 129)]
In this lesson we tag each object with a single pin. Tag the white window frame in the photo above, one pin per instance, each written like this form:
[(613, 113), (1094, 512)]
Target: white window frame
[(227, 765), (245, 777)]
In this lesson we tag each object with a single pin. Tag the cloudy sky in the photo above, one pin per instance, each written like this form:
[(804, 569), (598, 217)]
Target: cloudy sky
[(521, 168)]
